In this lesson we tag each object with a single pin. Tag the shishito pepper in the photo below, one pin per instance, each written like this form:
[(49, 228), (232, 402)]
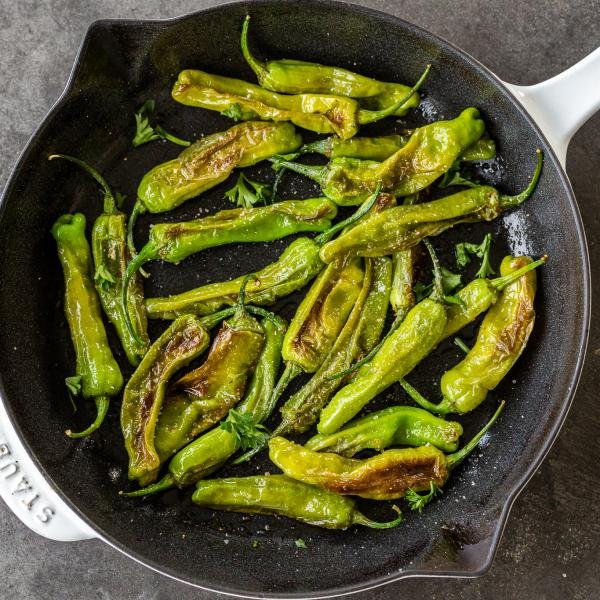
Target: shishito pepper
[(280, 495), (214, 448), (429, 153), (386, 476), (501, 339), (110, 252), (298, 264), (404, 226), (393, 426), (201, 398), (323, 113), (96, 368), (296, 77)]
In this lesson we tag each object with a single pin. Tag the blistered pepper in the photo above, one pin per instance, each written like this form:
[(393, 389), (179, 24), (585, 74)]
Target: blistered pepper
[(323, 113), (201, 398), (385, 476), (99, 373), (297, 266), (404, 226), (110, 252), (393, 426), (296, 77), (430, 152), (280, 495)]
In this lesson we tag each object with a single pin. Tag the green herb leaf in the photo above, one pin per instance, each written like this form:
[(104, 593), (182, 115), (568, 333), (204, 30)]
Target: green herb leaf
[(419, 501), (119, 199), (450, 281), (248, 434), (73, 384), (454, 300), (465, 250), (255, 543), (145, 133), (103, 277), (453, 177), (246, 193), (300, 543), (233, 111)]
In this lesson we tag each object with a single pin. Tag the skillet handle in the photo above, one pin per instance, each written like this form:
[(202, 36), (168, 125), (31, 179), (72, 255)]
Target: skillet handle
[(30, 496), (562, 104)]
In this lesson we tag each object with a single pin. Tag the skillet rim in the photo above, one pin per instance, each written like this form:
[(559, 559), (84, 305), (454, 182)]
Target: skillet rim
[(549, 435)]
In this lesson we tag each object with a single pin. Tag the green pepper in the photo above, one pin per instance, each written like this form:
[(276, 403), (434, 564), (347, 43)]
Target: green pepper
[(109, 249), (96, 367), (404, 226), (385, 476), (296, 77), (298, 264), (213, 449), (211, 160), (429, 153), (323, 113), (381, 148), (279, 495), (393, 426), (201, 398), (172, 242)]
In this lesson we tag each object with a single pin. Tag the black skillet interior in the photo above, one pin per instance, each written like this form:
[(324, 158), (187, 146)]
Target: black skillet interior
[(121, 65)]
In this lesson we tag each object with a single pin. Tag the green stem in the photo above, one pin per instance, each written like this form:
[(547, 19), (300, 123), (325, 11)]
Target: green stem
[(110, 205), (257, 66), (314, 172), (360, 519), (370, 116), (172, 138), (510, 201), (458, 342), (438, 288), (166, 483), (456, 458), (499, 283), (139, 208), (102, 403), (363, 209), (442, 408), (279, 175)]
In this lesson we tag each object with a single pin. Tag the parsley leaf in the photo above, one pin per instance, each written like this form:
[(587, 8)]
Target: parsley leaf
[(145, 133), (300, 543), (419, 501), (233, 111), (248, 434), (73, 384), (450, 281), (465, 250), (453, 177), (103, 277), (246, 193)]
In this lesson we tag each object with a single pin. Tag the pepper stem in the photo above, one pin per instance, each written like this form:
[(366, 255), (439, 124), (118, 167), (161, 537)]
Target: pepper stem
[(370, 116), (442, 408), (363, 209), (510, 201), (102, 403), (359, 519), (314, 172), (258, 67), (438, 288), (110, 204), (499, 283), (166, 483), (139, 208), (279, 175), (456, 458)]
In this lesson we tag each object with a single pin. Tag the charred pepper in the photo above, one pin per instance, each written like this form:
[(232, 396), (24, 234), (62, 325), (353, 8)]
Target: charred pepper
[(96, 368), (386, 476), (280, 495)]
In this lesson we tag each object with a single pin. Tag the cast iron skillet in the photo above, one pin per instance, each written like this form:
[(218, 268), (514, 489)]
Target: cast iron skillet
[(121, 64)]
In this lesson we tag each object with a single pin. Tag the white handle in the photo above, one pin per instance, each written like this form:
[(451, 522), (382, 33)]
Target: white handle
[(561, 105), (29, 496)]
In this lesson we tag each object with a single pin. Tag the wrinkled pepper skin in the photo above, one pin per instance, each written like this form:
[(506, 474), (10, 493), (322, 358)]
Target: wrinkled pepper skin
[(402, 350), (95, 363), (143, 398), (211, 160), (321, 113), (393, 426), (297, 266), (290, 76), (172, 242), (210, 451), (386, 476), (429, 153), (501, 339), (279, 495), (359, 335), (201, 398)]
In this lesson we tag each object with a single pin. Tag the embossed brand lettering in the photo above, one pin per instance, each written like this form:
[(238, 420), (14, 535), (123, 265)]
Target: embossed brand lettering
[(9, 469), (4, 450), (29, 503), (45, 514), (22, 486)]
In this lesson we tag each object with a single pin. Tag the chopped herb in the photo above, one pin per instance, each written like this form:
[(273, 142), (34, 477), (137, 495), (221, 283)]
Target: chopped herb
[(419, 501), (145, 133), (255, 543), (450, 281), (103, 277), (73, 384), (119, 199), (453, 177), (233, 111), (246, 193), (300, 543), (465, 250), (459, 342), (249, 435)]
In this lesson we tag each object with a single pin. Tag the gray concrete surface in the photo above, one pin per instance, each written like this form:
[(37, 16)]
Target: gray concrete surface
[(549, 549)]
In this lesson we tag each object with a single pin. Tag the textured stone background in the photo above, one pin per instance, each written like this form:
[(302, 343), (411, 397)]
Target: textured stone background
[(549, 545)]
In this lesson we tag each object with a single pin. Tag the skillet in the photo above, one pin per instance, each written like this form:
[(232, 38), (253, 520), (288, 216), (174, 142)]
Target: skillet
[(123, 63)]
